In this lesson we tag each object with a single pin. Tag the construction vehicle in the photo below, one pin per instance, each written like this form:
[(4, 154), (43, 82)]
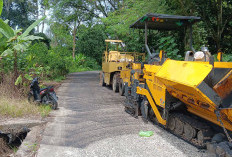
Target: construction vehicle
[(114, 61), (126, 77), (192, 99)]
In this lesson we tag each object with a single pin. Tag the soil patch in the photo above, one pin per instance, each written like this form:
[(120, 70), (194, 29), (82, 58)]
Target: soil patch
[(5, 150)]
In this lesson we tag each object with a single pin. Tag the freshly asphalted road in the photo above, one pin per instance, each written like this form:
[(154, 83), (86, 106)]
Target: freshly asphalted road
[(91, 121)]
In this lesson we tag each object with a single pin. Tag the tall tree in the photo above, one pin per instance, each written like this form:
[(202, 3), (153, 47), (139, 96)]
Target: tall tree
[(19, 13), (44, 6), (104, 7), (91, 41), (118, 22), (216, 16), (73, 13)]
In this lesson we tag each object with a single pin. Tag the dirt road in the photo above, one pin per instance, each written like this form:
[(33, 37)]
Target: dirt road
[(91, 122)]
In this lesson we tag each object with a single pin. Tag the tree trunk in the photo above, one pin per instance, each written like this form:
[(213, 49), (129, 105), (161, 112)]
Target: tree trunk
[(43, 20), (7, 4), (37, 16), (219, 24), (15, 65), (2, 68), (74, 39)]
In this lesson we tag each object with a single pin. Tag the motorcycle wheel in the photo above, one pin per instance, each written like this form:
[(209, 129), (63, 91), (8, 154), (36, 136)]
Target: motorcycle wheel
[(54, 104), (30, 98)]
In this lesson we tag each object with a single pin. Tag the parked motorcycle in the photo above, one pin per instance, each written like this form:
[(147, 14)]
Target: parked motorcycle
[(45, 96)]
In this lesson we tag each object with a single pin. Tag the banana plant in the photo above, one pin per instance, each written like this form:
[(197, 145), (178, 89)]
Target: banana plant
[(1, 6), (16, 41)]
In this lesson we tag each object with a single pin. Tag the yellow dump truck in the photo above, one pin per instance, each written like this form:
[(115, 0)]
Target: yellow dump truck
[(113, 62), (191, 98)]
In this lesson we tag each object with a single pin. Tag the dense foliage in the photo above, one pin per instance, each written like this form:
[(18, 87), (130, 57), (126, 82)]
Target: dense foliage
[(72, 37)]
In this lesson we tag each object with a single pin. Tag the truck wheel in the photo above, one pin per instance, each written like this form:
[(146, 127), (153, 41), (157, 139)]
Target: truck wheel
[(102, 81), (121, 87), (115, 85)]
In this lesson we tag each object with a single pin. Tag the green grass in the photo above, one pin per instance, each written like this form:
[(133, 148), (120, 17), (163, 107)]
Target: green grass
[(55, 79), (10, 107), (81, 69), (45, 110), (32, 147), (59, 78), (14, 103), (15, 149)]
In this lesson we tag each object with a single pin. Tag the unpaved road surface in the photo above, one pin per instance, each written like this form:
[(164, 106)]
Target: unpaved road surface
[(91, 122)]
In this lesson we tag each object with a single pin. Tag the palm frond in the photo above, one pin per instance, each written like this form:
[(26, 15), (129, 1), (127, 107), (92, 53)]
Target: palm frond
[(33, 25)]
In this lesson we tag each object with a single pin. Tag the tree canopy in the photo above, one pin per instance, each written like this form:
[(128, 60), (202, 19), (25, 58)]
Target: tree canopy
[(73, 34)]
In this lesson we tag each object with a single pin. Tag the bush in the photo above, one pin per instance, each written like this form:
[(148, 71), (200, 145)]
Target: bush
[(38, 60), (227, 58), (83, 63), (169, 45), (91, 42), (54, 63)]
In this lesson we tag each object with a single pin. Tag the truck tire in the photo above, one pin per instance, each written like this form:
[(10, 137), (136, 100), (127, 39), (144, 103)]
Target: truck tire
[(115, 85), (102, 81), (121, 87)]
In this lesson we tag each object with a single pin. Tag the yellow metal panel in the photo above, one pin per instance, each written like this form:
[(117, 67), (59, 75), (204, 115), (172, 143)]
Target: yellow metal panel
[(216, 64), (150, 70), (136, 66), (114, 56), (107, 78), (126, 58), (184, 72), (105, 67), (113, 66), (158, 91), (223, 64), (125, 75), (161, 54), (143, 91), (181, 79), (219, 56)]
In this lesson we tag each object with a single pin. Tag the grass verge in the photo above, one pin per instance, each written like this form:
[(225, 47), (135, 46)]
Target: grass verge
[(21, 108), (81, 69)]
